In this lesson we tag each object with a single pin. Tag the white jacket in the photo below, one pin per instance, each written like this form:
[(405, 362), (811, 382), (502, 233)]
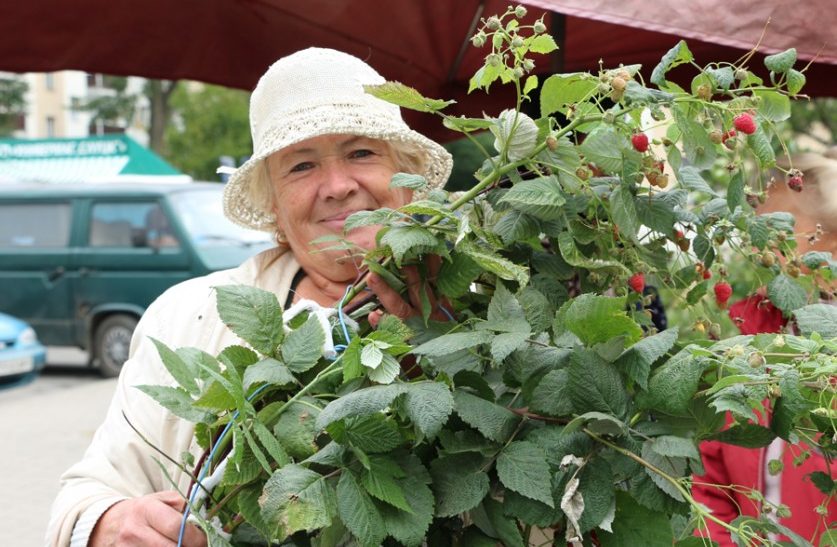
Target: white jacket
[(118, 464)]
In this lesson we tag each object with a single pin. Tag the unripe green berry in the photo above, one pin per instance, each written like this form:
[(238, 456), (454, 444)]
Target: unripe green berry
[(517, 41), (741, 74), (528, 65), (494, 60), (478, 39), (493, 23), (519, 72), (520, 11), (539, 27)]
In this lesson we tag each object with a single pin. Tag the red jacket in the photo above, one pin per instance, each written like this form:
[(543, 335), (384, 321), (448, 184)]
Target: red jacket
[(726, 464)]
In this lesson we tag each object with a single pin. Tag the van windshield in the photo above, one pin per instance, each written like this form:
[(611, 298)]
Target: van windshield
[(202, 216)]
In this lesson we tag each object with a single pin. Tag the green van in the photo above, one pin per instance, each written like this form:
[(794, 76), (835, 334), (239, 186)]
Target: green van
[(80, 263)]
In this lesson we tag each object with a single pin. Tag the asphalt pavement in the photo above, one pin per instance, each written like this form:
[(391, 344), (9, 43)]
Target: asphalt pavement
[(45, 426)]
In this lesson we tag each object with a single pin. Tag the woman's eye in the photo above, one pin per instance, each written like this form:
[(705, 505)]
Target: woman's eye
[(304, 166), (362, 153)]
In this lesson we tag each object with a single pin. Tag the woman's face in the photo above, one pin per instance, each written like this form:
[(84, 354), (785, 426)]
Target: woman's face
[(318, 183)]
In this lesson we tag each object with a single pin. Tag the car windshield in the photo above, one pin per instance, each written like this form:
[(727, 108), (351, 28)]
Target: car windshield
[(203, 217)]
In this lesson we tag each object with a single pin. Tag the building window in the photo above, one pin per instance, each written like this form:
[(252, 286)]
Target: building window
[(50, 126), (49, 81)]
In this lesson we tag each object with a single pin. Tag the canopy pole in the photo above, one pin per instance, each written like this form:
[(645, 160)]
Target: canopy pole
[(461, 53)]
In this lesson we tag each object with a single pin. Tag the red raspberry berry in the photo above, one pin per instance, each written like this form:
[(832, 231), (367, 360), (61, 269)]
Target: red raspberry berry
[(728, 135), (722, 293), (707, 274), (745, 123), (795, 183), (637, 282), (640, 142)]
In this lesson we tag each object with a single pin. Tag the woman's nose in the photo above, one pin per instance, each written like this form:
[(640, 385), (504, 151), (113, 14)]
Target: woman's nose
[(338, 182)]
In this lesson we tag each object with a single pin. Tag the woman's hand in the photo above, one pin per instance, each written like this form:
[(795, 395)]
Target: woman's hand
[(396, 305), (151, 520)]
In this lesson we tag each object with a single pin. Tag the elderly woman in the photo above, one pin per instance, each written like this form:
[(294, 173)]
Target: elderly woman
[(323, 149)]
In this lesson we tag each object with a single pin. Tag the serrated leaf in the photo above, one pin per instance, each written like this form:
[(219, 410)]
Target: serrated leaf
[(819, 318), (796, 81), (697, 146), (303, 347), (177, 367), (359, 403), (786, 294), (677, 55), (295, 499), (596, 487), (455, 277), (449, 343), (559, 91), (670, 445), (411, 527), (459, 483), (504, 343), (358, 512), (773, 105), (387, 372), (604, 147), (253, 314), (790, 406), (428, 404), (543, 43), (384, 487), (551, 396), (505, 527), (637, 359), (673, 385), (516, 225), (595, 385), (723, 76), (367, 218), (494, 421), (199, 362), (759, 143), (271, 444), (410, 241), (371, 356), (782, 61), (408, 180), (178, 401), (596, 319), (824, 482), (540, 197), (405, 97), (268, 371), (372, 434), (499, 266), (529, 511), (747, 435), (297, 430), (505, 314), (573, 256), (657, 212), (624, 211), (691, 179), (636, 525), (672, 466), (522, 467)]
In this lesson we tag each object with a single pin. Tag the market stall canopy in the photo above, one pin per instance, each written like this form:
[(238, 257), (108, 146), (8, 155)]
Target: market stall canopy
[(422, 43), (86, 160)]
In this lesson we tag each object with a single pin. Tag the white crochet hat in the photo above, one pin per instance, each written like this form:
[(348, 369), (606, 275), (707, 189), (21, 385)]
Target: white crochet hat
[(317, 92)]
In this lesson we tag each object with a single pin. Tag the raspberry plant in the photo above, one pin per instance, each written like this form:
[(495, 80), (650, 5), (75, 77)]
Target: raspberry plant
[(550, 408)]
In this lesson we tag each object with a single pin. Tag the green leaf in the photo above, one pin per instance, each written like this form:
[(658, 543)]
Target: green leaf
[(505, 314), (407, 180), (531, 83), (493, 263), (636, 525), (372, 434), (746, 435), (672, 466), (516, 225), (637, 360), (543, 43), (367, 218), (405, 97), (596, 487), (387, 371), (624, 211), (573, 256), (735, 191), (297, 430), (559, 91), (493, 421), (774, 106), (819, 318), (782, 61), (759, 143), (723, 76), (177, 367), (383, 486), (596, 319), (691, 179), (455, 276), (177, 401), (673, 385), (786, 294), (637, 93), (595, 385), (428, 405), (505, 527), (604, 147), (303, 347), (358, 512), (540, 197), (459, 483), (530, 511), (551, 396), (824, 482), (796, 81), (410, 528), (522, 467), (271, 444), (268, 371), (677, 55), (295, 499), (449, 343), (790, 406), (657, 212), (199, 362), (359, 403), (253, 314), (697, 146), (669, 445), (408, 241)]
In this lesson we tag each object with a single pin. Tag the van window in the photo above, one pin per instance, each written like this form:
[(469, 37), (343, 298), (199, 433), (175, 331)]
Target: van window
[(35, 225), (134, 224), (201, 213)]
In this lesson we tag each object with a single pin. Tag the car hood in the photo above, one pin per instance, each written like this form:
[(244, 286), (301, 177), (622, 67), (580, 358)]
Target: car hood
[(10, 327)]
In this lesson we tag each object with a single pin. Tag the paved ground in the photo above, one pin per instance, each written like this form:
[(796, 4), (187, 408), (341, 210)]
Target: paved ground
[(44, 426)]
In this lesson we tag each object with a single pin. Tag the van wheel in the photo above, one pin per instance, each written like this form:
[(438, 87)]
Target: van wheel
[(112, 342)]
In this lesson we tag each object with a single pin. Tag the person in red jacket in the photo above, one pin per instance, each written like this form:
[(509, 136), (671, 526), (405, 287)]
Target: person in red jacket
[(732, 472)]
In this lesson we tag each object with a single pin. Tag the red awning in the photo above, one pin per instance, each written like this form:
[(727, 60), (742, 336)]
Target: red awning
[(423, 43)]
